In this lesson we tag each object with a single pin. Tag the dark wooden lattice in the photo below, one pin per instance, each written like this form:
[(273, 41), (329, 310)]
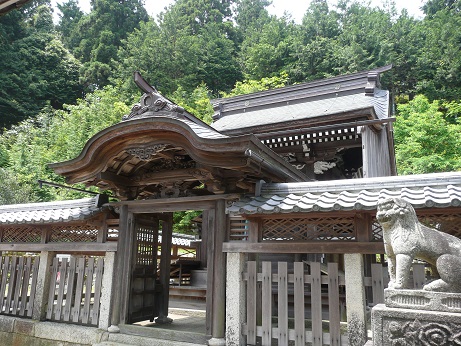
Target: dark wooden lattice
[(376, 230), (73, 234), (238, 228), (308, 229), (23, 234), (147, 240), (448, 223)]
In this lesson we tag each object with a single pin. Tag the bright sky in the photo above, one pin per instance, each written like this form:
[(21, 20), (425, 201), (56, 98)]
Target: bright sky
[(296, 8)]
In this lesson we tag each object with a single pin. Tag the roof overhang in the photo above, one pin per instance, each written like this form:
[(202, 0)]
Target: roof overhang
[(163, 154)]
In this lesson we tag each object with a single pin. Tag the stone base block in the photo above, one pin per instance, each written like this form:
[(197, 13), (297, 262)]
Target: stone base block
[(422, 300), (398, 326)]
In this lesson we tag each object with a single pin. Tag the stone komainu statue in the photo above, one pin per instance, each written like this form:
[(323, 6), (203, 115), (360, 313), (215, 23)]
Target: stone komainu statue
[(406, 239)]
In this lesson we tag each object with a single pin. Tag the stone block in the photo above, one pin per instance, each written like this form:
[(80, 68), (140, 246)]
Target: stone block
[(6, 324), (399, 326), (26, 327), (423, 300), (68, 333)]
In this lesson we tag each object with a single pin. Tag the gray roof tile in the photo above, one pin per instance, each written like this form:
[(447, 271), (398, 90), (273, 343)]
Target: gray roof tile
[(438, 190), (49, 212)]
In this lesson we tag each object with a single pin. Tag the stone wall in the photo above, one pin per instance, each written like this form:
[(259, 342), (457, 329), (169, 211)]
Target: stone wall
[(23, 332)]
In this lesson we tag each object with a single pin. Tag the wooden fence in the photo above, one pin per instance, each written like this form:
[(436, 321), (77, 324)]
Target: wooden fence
[(75, 290), (287, 306), (306, 303), (18, 281)]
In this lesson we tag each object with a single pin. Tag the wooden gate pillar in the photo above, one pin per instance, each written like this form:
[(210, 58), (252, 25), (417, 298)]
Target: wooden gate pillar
[(218, 325), (165, 261), (121, 275), (355, 299)]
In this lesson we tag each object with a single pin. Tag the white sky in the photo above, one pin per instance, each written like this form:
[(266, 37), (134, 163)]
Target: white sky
[(296, 8)]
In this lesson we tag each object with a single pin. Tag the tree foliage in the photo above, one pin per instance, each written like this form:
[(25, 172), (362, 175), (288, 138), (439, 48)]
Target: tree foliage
[(426, 141)]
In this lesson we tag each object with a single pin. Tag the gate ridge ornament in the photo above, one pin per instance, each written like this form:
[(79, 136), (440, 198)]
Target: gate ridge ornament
[(151, 101), (406, 239)]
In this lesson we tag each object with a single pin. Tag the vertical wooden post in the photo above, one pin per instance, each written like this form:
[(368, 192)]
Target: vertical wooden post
[(165, 262), (43, 285), (118, 266), (355, 299), (209, 222), (219, 277)]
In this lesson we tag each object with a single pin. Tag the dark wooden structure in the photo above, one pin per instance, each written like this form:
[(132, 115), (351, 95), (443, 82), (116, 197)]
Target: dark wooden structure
[(287, 220)]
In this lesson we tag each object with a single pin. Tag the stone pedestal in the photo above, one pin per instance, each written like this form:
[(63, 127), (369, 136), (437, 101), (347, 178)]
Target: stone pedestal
[(414, 317)]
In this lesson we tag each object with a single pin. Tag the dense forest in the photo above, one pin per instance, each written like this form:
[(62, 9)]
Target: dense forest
[(63, 82)]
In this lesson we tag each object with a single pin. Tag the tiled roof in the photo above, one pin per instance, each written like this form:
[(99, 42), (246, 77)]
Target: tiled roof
[(333, 104), (50, 212), (438, 190), (350, 94)]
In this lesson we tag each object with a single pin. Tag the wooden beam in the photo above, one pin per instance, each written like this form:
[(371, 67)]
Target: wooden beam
[(174, 204), (112, 178), (306, 247), (59, 247)]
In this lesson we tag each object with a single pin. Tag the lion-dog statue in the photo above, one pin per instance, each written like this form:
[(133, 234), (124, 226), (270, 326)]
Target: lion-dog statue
[(406, 239)]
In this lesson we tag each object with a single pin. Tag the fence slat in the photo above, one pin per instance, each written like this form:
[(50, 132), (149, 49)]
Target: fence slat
[(419, 277), (18, 285), (11, 284), (316, 304), (5, 268), (251, 303), (377, 283), (30, 307), (333, 304), (25, 286), (266, 339), (282, 303), (70, 288), (79, 290), (97, 291), (54, 275), (62, 286), (89, 284), (300, 329)]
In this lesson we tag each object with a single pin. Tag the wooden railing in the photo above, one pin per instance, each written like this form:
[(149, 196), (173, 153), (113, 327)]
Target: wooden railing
[(287, 306), (75, 290), (301, 306), (17, 286)]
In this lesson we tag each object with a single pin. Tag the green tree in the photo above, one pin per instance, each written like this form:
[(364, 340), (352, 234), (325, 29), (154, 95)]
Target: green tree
[(439, 60), (55, 136), (36, 69), (11, 191), (95, 37), (425, 141)]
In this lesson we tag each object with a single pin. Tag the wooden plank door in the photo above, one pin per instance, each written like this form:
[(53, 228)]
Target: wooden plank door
[(143, 303)]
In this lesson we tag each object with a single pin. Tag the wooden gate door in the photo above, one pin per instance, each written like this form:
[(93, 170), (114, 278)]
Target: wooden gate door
[(144, 291)]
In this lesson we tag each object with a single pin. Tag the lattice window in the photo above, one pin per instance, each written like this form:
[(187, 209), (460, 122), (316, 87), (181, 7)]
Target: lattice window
[(22, 234), (73, 234), (376, 230), (307, 229), (147, 238), (446, 223), (238, 228)]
